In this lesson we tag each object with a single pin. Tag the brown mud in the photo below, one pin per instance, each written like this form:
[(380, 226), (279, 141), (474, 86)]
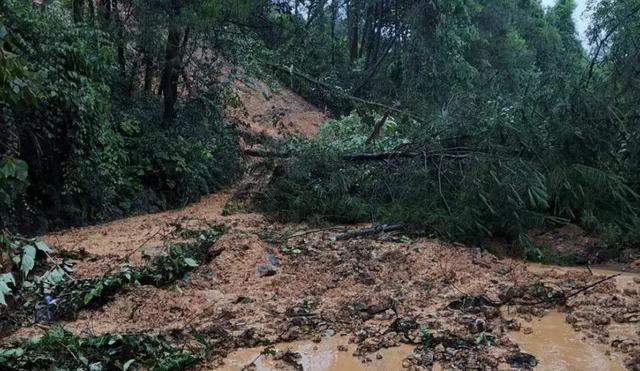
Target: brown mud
[(384, 302)]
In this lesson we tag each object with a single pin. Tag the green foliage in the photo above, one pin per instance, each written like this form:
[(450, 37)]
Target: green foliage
[(95, 149), (13, 181), (66, 351), (18, 258)]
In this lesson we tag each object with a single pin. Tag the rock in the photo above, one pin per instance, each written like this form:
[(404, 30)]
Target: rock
[(478, 325), (522, 360), (527, 330), (378, 356), (427, 358), (265, 270), (602, 320), (329, 332), (491, 312), (292, 334), (439, 348), (571, 319), (630, 291), (513, 325), (342, 348)]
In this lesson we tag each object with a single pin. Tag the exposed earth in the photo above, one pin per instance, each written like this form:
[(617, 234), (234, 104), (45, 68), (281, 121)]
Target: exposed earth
[(382, 302)]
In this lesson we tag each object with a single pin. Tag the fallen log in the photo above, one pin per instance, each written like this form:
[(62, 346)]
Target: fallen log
[(365, 232), (362, 157)]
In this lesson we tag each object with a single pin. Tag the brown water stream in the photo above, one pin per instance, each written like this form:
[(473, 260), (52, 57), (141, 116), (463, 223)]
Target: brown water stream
[(552, 341)]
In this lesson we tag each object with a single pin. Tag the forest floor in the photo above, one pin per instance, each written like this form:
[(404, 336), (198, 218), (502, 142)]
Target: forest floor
[(437, 303)]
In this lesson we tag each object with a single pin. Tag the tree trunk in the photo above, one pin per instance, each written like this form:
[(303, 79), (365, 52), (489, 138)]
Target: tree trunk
[(78, 10), (104, 12), (169, 81), (92, 11), (121, 42), (353, 21), (334, 17), (148, 73)]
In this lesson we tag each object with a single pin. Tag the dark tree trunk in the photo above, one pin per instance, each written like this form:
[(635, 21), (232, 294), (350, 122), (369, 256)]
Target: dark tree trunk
[(334, 17), (353, 21), (104, 12), (78, 10), (148, 73), (169, 81), (92, 11), (121, 42)]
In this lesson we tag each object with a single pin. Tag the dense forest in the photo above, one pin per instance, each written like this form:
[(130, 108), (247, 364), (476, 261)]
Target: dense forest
[(496, 118), (463, 120)]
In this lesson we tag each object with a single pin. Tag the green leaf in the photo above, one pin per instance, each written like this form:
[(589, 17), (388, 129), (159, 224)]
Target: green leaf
[(12, 353), (28, 259), (5, 279), (3, 31), (190, 262), (128, 364), (43, 247)]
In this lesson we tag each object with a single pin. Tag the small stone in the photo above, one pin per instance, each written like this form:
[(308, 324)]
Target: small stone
[(571, 319), (602, 320), (527, 330), (378, 356), (439, 348), (342, 348), (265, 270), (406, 363)]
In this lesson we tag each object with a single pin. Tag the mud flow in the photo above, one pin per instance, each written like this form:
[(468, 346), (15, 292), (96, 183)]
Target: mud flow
[(555, 344), (296, 296)]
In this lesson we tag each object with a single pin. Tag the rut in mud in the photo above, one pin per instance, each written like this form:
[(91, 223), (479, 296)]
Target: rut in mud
[(389, 300)]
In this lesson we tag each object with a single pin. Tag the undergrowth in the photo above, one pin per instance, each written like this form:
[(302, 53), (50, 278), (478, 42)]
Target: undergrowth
[(66, 351)]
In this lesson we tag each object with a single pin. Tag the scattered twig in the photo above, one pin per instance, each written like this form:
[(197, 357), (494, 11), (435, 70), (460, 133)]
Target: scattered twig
[(592, 285), (311, 231), (566, 297), (368, 231)]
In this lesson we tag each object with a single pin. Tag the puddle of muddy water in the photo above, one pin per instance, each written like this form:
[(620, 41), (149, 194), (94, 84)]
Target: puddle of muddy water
[(557, 346), (321, 356)]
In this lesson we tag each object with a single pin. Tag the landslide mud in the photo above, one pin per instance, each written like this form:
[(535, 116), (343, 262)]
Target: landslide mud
[(418, 303)]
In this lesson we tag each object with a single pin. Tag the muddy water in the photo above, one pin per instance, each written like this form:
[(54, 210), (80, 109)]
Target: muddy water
[(320, 356), (558, 347)]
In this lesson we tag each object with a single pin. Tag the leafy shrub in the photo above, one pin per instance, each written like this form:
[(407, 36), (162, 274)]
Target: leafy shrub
[(64, 350)]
